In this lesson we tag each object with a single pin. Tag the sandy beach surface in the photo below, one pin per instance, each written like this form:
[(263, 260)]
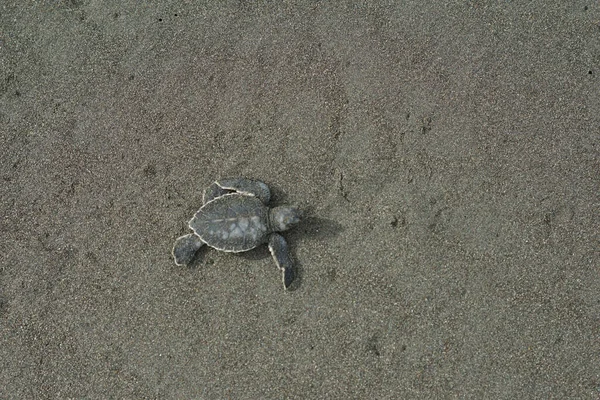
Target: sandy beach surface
[(447, 155)]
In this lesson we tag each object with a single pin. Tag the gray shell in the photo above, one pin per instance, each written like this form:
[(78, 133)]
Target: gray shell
[(233, 222)]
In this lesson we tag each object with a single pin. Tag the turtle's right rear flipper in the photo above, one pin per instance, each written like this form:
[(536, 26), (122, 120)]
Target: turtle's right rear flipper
[(279, 250), (185, 248)]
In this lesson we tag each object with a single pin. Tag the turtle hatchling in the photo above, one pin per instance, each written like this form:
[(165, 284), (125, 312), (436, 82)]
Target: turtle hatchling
[(235, 217)]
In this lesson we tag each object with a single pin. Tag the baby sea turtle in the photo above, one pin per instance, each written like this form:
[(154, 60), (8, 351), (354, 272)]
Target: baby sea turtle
[(235, 218)]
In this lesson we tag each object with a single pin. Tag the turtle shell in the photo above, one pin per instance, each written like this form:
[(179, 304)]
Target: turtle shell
[(233, 222)]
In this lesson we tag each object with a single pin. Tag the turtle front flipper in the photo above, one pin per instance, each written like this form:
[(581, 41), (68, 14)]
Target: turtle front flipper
[(185, 248), (247, 186), (279, 250)]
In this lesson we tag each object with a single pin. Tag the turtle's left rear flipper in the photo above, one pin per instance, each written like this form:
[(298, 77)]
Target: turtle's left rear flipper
[(279, 250), (185, 248)]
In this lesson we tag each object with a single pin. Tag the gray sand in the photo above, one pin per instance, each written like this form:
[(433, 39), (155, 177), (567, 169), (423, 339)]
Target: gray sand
[(448, 156)]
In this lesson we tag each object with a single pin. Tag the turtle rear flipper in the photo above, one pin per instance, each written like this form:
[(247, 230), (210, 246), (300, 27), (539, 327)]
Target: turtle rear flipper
[(185, 248), (279, 250)]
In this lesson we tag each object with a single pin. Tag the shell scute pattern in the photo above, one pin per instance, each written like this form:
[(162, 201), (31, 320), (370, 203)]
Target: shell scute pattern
[(232, 222)]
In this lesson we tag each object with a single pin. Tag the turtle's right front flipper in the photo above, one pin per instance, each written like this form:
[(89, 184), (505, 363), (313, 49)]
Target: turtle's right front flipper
[(279, 250), (185, 248)]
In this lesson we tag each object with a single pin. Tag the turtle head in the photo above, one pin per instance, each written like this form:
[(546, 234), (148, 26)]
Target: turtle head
[(284, 217)]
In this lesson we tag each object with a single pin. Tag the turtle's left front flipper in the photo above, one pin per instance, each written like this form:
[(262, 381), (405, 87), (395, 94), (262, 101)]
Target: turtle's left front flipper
[(244, 185), (279, 250)]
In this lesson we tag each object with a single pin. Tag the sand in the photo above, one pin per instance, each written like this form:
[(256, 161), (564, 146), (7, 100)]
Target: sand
[(447, 156)]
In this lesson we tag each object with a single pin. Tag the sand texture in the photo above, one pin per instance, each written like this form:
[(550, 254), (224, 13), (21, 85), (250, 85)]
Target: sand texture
[(447, 155)]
